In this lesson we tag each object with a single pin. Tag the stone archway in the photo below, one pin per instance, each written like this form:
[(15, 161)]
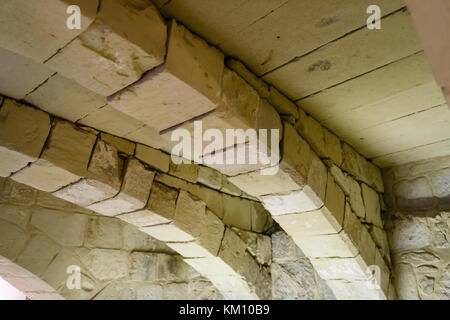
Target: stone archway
[(325, 195)]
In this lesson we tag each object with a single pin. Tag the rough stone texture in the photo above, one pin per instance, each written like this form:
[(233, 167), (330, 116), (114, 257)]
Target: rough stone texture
[(23, 132), (64, 159), (163, 200), (122, 145), (114, 51), (102, 181), (134, 193), (372, 205), (335, 200), (258, 84), (313, 132), (154, 158)]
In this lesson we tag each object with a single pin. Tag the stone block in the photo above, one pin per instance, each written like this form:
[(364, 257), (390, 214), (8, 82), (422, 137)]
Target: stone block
[(17, 193), (104, 232), (341, 268), (259, 184), (12, 240), (37, 254), (102, 181), (354, 290), (376, 178), (296, 155), (237, 212), (143, 266), (168, 233), (335, 200), (115, 50), (326, 246), (163, 200), (56, 273), (440, 183), (409, 233), (17, 215), (414, 194), (105, 264), (372, 205), (189, 214), (143, 218), (406, 282), (283, 105), (230, 188), (313, 132), (318, 222), (20, 75), (39, 38), (63, 161), (134, 192), (382, 279), (190, 249), (367, 247), (23, 132), (259, 85), (171, 268), (294, 202), (284, 247), (209, 177), (176, 291), (65, 98), (261, 219), (192, 72), (188, 172), (352, 226), (350, 161), (333, 147), (122, 145), (153, 157), (318, 178), (136, 240), (67, 229)]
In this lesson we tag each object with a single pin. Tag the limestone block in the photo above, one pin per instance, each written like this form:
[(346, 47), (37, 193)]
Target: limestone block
[(20, 75), (376, 177), (189, 214), (264, 250), (283, 105), (65, 98), (115, 50), (17, 215), (23, 132), (136, 240), (351, 188), (168, 233), (354, 290), (39, 38), (134, 192), (259, 85), (104, 232), (143, 266), (209, 177), (406, 282), (367, 247), (229, 188), (261, 219), (294, 202), (176, 291), (341, 268), (335, 200), (352, 226), (284, 247), (37, 254), (350, 160), (153, 157), (12, 240), (258, 184), (313, 132), (333, 147), (64, 160), (326, 246), (163, 200), (149, 136), (296, 158), (122, 145), (190, 250), (67, 229), (186, 86), (381, 240), (318, 178), (143, 218), (102, 181), (112, 121), (105, 264), (409, 233), (414, 194), (188, 172), (318, 222), (384, 276), (440, 183), (372, 205), (56, 273), (237, 212)]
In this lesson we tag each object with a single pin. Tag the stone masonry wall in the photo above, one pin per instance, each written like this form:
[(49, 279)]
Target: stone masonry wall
[(45, 235), (418, 199)]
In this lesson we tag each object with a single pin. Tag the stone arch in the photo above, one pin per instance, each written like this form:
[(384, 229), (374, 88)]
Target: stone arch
[(324, 193)]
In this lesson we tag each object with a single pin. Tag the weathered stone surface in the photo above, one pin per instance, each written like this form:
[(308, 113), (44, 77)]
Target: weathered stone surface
[(259, 85), (230, 188), (12, 240), (64, 160), (285, 285), (317, 178), (143, 266), (405, 282), (380, 237), (163, 200), (333, 147), (294, 202), (20, 75), (114, 51), (37, 254), (188, 172), (283, 247), (153, 157), (102, 181), (372, 205), (352, 226), (143, 218), (354, 290), (261, 219), (313, 132), (23, 132), (415, 194), (134, 193), (56, 273), (103, 232), (409, 233), (237, 212), (326, 246), (209, 177), (136, 240), (283, 105), (40, 38), (67, 229), (65, 98), (106, 264), (376, 177), (297, 158), (351, 188), (168, 233), (335, 200), (367, 247), (340, 268), (122, 145), (440, 182), (15, 214), (258, 184), (17, 193), (192, 72), (176, 291), (350, 160)]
